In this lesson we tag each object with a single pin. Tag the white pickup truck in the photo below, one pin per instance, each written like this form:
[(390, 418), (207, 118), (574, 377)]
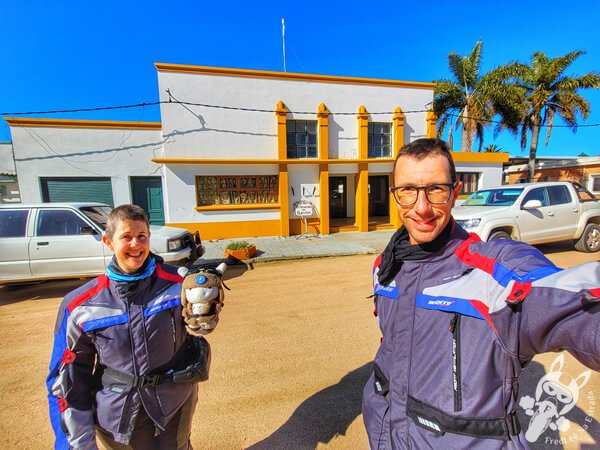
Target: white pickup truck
[(535, 213), (64, 240)]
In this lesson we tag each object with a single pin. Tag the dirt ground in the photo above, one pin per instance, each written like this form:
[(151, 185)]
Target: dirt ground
[(290, 357)]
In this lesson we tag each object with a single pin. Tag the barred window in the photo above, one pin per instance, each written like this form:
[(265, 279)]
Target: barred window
[(594, 183), (470, 181), (380, 140), (301, 139), (237, 190)]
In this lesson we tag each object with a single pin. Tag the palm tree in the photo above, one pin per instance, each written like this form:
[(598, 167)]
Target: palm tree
[(547, 91), (474, 98), (492, 148)]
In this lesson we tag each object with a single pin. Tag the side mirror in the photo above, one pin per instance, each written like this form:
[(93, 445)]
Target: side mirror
[(532, 204), (87, 230)]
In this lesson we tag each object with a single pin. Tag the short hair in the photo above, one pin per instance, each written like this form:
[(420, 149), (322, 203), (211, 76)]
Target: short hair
[(125, 212), (422, 148)]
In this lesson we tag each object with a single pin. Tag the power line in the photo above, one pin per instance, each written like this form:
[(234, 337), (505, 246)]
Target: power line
[(205, 105), (100, 108), (238, 108)]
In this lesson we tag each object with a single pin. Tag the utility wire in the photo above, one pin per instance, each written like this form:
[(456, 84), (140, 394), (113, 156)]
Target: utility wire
[(238, 108), (100, 108), (205, 105)]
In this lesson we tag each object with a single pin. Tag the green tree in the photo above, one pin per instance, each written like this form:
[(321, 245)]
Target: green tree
[(492, 148), (546, 91), (471, 99)]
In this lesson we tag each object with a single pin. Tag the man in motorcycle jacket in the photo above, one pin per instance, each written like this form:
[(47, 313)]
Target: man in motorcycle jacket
[(119, 345), (461, 318)]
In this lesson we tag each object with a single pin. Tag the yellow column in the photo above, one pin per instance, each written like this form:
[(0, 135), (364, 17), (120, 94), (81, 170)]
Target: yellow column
[(323, 137), (324, 198), (394, 216), (281, 113), (363, 132), (398, 131), (431, 121), (399, 119), (362, 197), (284, 210), (284, 201)]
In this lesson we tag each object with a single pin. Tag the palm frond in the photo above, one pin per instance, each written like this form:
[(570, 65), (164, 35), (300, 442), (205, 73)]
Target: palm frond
[(589, 80), (558, 65), (441, 124), (448, 88), (456, 66), (523, 142), (475, 57), (479, 134)]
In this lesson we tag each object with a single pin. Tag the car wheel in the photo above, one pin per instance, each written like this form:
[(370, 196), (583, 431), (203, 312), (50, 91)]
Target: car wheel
[(499, 235), (589, 241)]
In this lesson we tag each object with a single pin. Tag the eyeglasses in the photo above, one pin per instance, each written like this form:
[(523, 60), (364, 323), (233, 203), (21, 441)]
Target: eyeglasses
[(437, 194)]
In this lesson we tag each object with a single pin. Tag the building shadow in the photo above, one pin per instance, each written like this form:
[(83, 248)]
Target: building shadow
[(38, 290), (578, 417), (556, 247), (41, 290), (321, 417)]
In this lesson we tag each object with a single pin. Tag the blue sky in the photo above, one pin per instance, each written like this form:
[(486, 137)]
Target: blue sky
[(74, 54)]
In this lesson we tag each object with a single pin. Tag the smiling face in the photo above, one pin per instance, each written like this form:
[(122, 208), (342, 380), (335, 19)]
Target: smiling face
[(424, 221), (131, 243)]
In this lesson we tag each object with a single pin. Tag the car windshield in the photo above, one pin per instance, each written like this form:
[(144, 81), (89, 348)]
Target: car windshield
[(493, 197), (98, 214)]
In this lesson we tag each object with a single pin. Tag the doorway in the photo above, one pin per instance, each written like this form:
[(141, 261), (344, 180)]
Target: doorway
[(337, 197), (379, 198), (147, 193)]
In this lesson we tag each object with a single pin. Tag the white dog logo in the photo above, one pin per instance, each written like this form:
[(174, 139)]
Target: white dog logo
[(553, 400)]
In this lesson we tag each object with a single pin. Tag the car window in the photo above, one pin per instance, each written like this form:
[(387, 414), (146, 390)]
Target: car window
[(583, 194), (493, 197), (478, 198), (13, 223), (99, 214), (559, 195), (537, 194), (57, 222)]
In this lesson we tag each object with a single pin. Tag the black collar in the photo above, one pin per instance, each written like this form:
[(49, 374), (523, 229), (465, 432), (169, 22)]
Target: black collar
[(399, 250)]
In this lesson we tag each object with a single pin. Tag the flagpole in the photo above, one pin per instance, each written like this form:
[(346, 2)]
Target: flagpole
[(283, 40)]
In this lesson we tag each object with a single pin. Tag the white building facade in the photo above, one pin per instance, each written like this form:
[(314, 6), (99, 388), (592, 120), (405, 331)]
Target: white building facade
[(242, 153), (9, 188)]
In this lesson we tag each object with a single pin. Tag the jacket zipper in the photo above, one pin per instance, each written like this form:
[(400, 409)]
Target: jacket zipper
[(174, 329), (456, 376), (127, 410)]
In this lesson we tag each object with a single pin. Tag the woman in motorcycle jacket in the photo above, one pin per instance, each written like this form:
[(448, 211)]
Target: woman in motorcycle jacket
[(118, 340)]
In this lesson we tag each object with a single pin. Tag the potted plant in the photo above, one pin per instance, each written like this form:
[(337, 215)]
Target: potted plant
[(240, 250)]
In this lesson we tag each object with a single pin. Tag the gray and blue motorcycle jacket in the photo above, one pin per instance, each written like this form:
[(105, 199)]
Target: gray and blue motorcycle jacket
[(458, 328), (133, 328)]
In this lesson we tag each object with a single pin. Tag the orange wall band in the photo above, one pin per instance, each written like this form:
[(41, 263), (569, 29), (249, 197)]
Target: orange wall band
[(228, 230), (249, 73), (457, 156), (257, 228), (268, 161), (244, 207), (483, 157), (71, 123)]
